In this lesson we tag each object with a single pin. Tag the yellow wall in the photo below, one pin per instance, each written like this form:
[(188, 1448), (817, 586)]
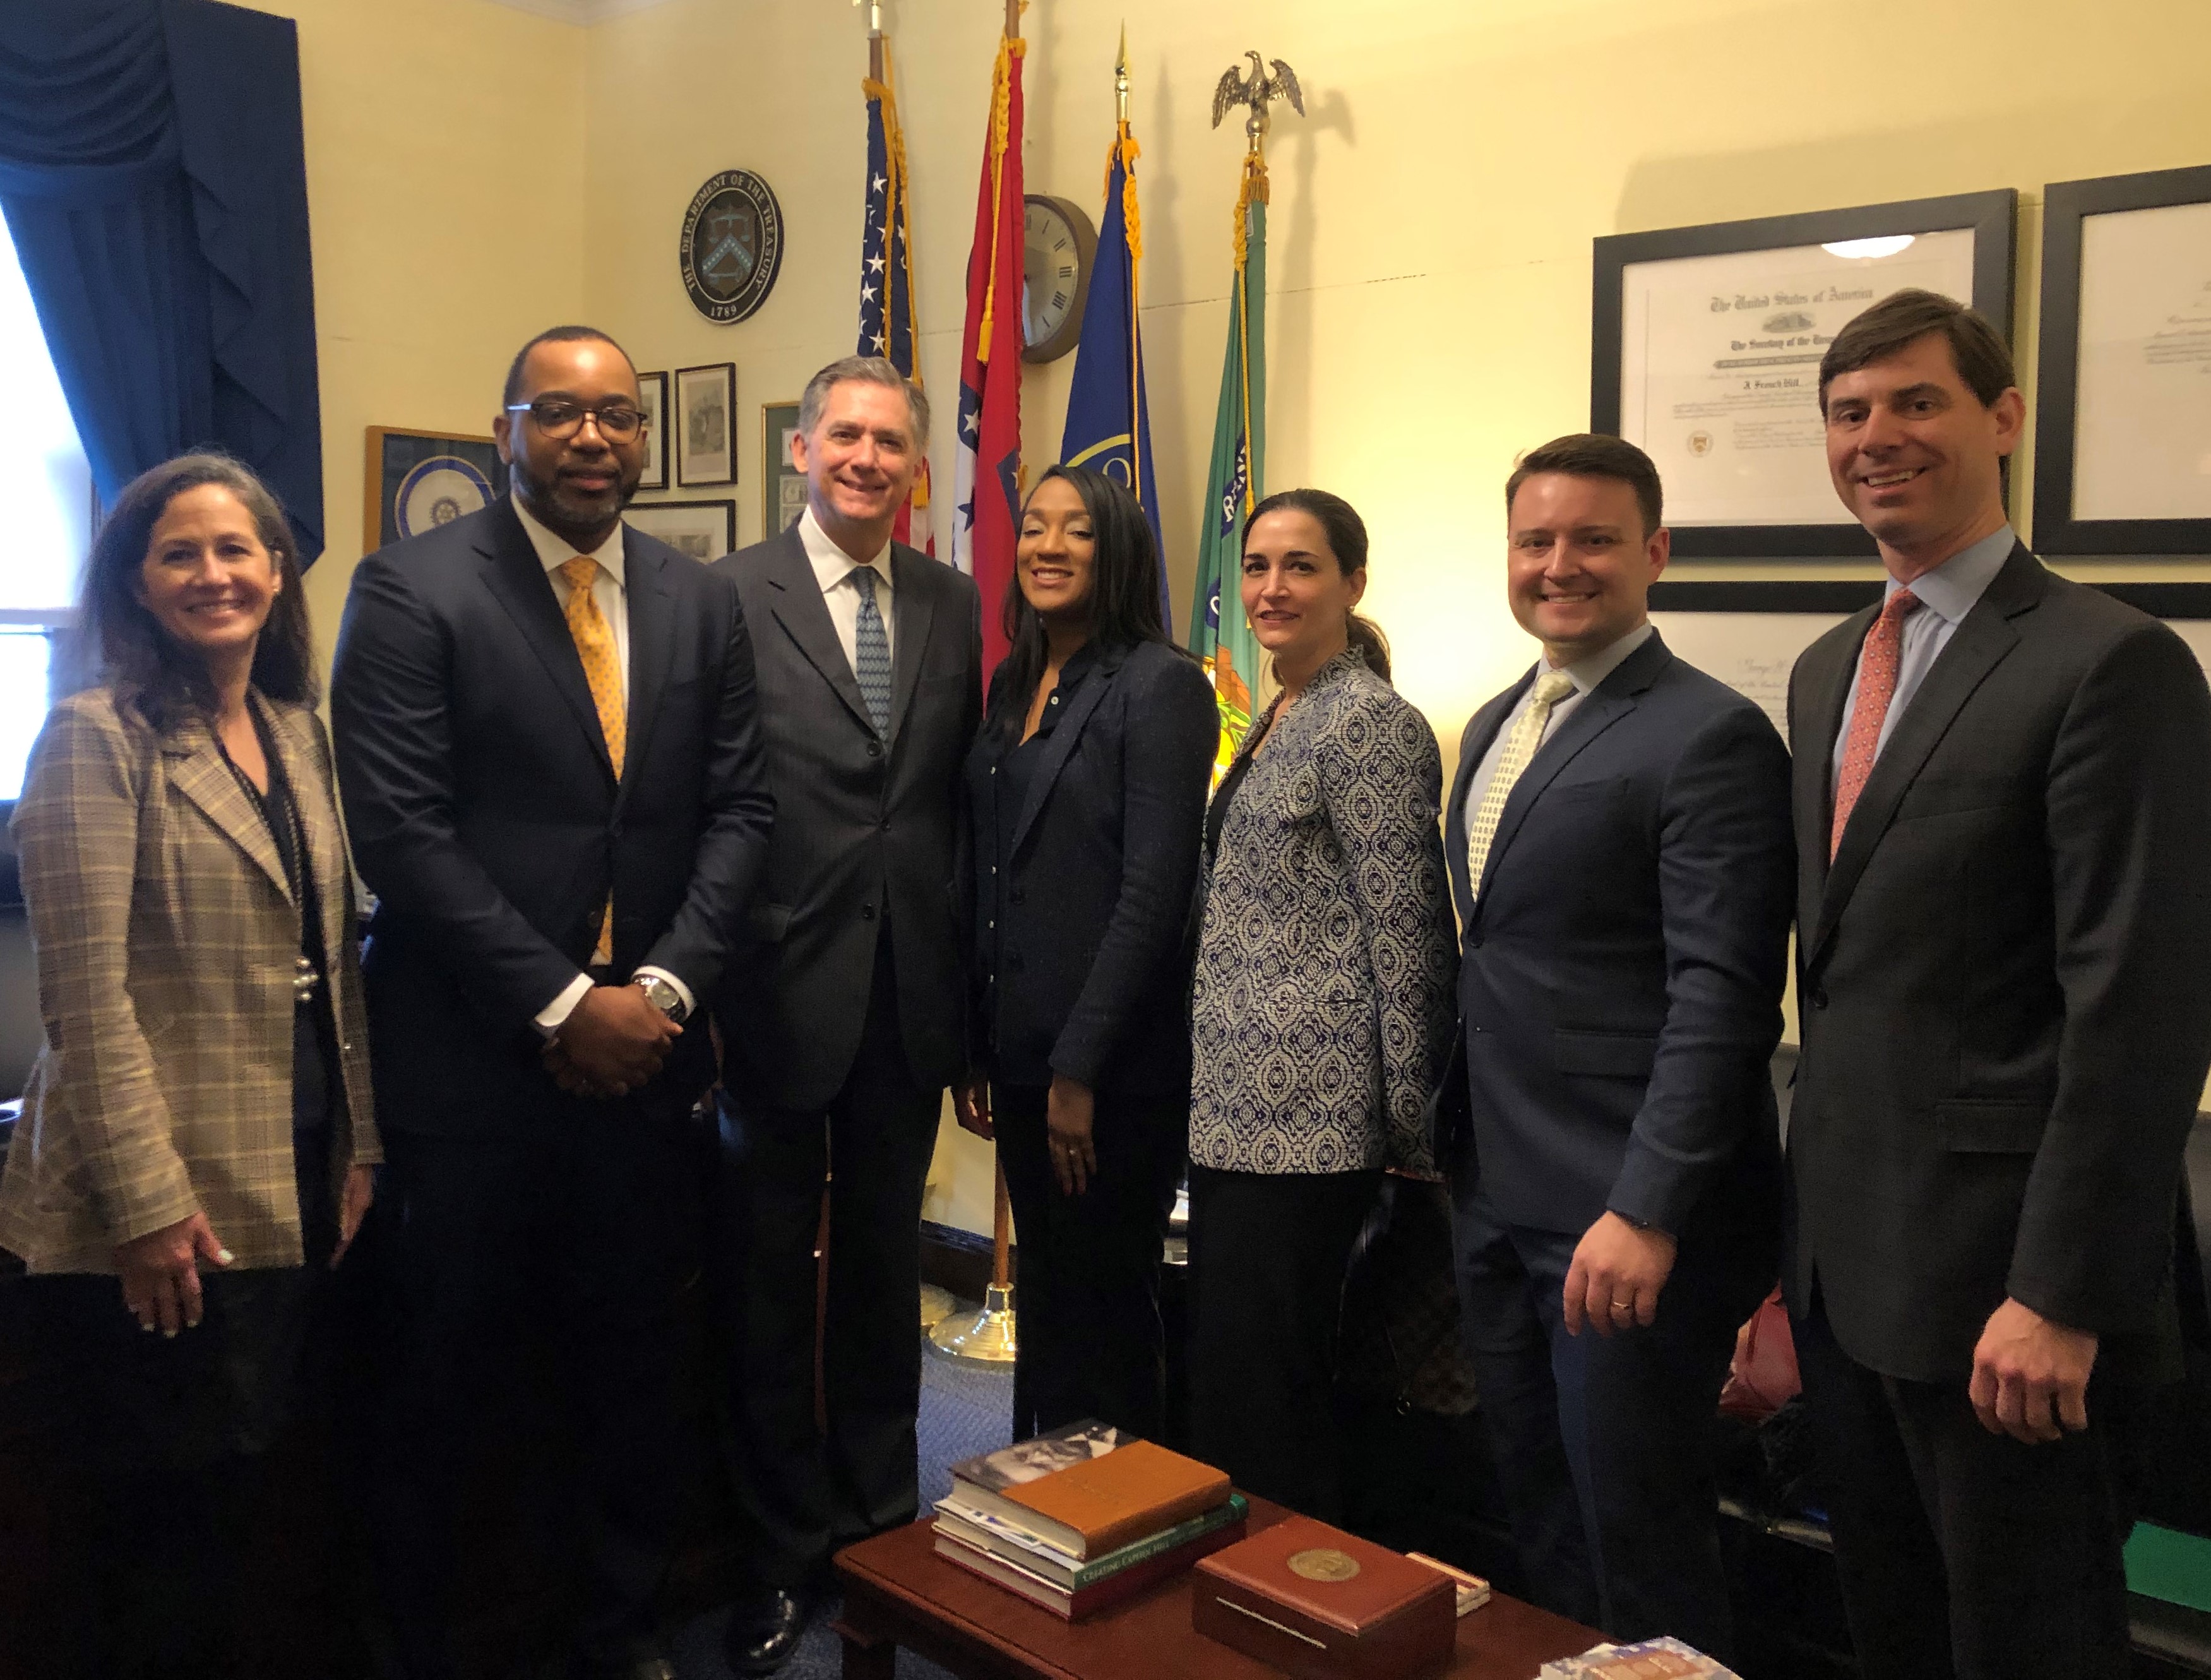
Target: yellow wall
[(477, 174), (445, 188)]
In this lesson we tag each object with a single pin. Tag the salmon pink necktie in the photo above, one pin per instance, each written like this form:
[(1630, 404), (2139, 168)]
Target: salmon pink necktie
[(1877, 663)]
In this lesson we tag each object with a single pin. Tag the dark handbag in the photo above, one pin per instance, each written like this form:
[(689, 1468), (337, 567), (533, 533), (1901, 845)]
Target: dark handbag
[(1399, 1336)]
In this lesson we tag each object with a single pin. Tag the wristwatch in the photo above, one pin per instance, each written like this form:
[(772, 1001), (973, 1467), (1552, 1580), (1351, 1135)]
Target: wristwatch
[(663, 996)]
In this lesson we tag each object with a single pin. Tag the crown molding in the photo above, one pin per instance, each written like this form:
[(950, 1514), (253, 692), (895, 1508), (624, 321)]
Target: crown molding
[(581, 13)]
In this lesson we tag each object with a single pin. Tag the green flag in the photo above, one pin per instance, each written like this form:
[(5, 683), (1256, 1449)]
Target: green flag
[(1219, 632)]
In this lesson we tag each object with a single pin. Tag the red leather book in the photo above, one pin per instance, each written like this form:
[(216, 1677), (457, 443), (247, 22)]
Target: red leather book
[(1318, 1603)]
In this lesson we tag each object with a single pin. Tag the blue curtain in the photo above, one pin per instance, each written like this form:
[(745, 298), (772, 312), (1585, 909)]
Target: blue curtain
[(153, 173)]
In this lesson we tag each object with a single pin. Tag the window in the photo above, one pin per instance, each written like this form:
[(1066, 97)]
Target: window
[(52, 524)]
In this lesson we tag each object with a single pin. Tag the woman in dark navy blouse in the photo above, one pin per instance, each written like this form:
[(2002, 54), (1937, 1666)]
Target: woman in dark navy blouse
[(1086, 787)]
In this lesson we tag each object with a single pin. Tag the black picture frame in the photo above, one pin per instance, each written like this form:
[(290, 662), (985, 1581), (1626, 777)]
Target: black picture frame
[(652, 395), (1990, 216), (2066, 206), (398, 456), (705, 454), (652, 517)]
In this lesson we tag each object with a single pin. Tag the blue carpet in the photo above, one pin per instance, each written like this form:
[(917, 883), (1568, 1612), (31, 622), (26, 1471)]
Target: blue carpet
[(965, 1410)]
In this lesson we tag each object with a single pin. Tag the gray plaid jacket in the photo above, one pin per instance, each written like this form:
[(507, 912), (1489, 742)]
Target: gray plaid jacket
[(166, 939), (1323, 1005)]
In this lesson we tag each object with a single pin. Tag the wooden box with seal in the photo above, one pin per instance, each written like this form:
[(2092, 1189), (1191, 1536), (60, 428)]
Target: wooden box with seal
[(1317, 1603)]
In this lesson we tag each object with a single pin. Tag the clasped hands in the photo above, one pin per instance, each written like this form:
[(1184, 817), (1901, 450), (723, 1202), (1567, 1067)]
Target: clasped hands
[(613, 1042)]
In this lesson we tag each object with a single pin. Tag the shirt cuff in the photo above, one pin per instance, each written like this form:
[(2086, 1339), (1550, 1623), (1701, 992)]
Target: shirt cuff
[(690, 1003), (549, 1019)]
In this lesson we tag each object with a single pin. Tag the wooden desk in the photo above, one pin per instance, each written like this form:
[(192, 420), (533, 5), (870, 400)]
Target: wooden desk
[(898, 1592)]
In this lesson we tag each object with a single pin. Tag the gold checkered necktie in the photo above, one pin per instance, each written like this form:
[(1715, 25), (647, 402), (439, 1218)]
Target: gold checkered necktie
[(595, 646), (1551, 688)]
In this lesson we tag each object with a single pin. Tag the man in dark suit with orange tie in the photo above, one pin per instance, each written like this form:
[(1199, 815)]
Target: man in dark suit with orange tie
[(2002, 790), (550, 754), (845, 1015), (1620, 853)]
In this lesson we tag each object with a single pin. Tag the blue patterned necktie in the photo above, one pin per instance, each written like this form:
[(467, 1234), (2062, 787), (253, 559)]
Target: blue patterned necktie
[(871, 652)]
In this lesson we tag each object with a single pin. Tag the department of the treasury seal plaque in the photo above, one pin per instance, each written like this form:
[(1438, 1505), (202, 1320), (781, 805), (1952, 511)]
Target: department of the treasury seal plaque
[(732, 245), (1323, 1563)]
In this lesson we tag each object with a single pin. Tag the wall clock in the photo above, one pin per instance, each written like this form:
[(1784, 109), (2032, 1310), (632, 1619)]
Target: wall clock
[(1057, 246), (732, 245)]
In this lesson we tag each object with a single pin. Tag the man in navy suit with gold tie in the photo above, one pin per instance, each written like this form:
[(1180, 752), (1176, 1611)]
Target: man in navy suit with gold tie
[(1619, 842)]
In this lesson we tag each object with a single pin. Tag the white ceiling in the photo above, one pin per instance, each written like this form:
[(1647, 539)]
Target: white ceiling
[(582, 13)]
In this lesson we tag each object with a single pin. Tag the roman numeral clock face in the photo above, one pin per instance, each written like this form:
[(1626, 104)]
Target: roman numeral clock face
[(1057, 245)]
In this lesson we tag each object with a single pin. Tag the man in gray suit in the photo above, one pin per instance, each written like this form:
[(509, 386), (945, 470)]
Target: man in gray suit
[(844, 1019), (1618, 843), (2002, 787)]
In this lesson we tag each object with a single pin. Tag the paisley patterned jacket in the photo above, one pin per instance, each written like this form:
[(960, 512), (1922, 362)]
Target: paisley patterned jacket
[(1323, 1006)]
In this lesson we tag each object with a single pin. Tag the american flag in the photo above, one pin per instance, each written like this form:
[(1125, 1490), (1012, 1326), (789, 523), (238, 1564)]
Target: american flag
[(887, 316)]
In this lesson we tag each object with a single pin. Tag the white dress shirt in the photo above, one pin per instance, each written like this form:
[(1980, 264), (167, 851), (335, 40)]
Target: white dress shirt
[(1946, 595), (610, 589), (1587, 672), (833, 569)]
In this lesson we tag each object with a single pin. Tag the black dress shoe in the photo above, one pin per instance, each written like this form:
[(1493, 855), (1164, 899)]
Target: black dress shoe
[(763, 1630), (644, 1665)]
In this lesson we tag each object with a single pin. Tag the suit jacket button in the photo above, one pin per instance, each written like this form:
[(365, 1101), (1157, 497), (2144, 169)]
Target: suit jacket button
[(875, 750), (887, 825), (1819, 998), (1474, 940), (867, 912), (1016, 895)]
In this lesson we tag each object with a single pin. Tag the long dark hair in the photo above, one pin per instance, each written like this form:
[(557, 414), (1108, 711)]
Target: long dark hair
[(1125, 591), (1347, 540), (138, 659)]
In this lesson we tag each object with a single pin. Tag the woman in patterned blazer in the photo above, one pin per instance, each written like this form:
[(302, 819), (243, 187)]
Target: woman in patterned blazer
[(201, 1105), (1322, 1007)]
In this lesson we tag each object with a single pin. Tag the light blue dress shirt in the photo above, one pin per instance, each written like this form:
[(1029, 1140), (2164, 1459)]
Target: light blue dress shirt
[(1946, 595)]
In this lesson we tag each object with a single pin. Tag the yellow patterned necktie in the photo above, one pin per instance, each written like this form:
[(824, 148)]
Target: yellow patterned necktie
[(1551, 688), (595, 646)]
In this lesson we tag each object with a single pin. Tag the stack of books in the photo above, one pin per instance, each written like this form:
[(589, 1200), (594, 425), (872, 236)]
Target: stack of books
[(1083, 1518), (1646, 1659)]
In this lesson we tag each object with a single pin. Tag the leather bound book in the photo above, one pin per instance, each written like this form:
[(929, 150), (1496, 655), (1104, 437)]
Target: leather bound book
[(1137, 1489), (1323, 1605)]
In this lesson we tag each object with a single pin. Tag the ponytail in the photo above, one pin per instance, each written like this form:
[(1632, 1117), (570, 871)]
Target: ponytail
[(1365, 636)]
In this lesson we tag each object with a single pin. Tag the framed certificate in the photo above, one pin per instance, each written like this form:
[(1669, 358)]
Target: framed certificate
[(1707, 344), (703, 529), (2122, 410)]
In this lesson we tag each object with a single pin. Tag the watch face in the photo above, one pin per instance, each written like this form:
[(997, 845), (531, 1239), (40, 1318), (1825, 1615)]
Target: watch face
[(1055, 269)]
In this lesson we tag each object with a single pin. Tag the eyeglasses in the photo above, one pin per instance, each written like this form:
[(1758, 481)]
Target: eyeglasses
[(618, 422)]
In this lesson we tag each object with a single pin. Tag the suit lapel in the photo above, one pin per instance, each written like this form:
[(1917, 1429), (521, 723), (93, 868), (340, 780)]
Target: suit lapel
[(1976, 648), (912, 608), (652, 608), (1480, 730), (805, 615), (1816, 758), (198, 770), (517, 577), (1060, 745), (1613, 700), (326, 852)]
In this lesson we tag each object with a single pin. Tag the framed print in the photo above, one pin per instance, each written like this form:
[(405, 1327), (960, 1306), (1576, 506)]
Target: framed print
[(706, 424), (652, 397), (1705, 352), (418, 480), (703, 529), (782, 487), (2123, 401)]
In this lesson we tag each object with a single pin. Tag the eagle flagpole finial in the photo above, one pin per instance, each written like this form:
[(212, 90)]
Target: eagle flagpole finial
[(1258, 88)]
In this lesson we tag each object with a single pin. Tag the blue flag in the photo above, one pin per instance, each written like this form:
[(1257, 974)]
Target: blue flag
[(1109, 425)]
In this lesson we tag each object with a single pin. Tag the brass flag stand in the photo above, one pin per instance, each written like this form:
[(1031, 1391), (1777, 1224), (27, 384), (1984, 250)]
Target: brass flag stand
[(987, 1337)]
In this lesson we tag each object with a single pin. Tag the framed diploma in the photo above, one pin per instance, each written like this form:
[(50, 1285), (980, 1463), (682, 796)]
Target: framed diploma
[(2122, 412), (1707, 344)]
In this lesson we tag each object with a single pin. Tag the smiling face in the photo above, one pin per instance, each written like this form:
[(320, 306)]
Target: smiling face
[(1297, 596), (1917, 456), (1579, 565), (862, 457), (576, 486), (1056, 557), (208, 579)]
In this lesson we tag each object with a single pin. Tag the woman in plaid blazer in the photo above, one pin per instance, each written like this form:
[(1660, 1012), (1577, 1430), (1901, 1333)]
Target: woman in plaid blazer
[(1322, 1007), (201, 1105)]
